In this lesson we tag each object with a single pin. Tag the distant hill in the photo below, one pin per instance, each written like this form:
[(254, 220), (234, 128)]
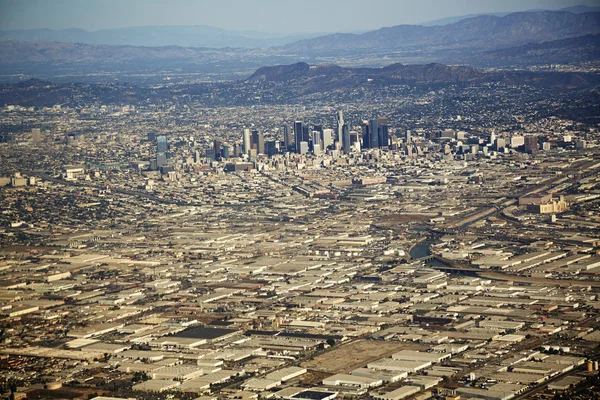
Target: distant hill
[(413, 73), (564, 51), (311, 79), (289, 84), (451, 20), (474, 34), (158, 36)]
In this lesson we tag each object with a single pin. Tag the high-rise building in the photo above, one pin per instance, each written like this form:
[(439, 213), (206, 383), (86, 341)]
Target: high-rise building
[(327, 136), (217, 148), (531, 144), (225, 151), (300, 134), (258, 142), (271, 148), (366, 140), (161, 159), (151, 136), (287, 138), (345, 138), (303, 148), (246, 146), (305, 133), (316, 138), (408, 136), (499, 144), (340, 125), (36, 135), (517, 141), (373, 134), (162, 146), (383, 133)]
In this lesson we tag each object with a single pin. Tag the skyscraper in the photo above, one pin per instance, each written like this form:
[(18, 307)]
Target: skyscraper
[(246, 141), (162, 145), (225, 151), (287, 138), (383, 133), (316, 137), (258, 142), (298, 134), (374, 134), (271, 148), (217, 148), (531, 144), (366, 140), (345, 138), (340, 124), (327, 136)]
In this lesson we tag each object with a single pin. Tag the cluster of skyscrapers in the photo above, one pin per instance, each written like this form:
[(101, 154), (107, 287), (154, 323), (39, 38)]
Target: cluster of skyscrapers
[(303, 138)]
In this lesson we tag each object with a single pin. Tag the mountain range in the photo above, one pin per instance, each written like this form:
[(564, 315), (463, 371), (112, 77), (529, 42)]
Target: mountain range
[(204, 35), (451, 20), (159, 36), (518, 40), (484, 32)]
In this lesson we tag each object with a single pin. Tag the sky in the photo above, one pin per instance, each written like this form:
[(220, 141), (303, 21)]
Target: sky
[(276, 16)]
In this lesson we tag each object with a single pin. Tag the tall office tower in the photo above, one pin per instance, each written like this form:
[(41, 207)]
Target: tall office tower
[(531, 144), (355, 140), (327, 136), (225, 152), (316, 137), (383, 133), (373, 134), (305, 133), (151, 136), (162, 145), (287, 138), (492, 138), (161, 159), (317, 149), (298, 135), (340, 125), (36, 135), (258, 142), (408, 136), (217, 148), (345, 138), (516, 141), (271, 148), (303, 148), (499, 144), (254, 139), (366, 140), (246, 145), (237, 149)]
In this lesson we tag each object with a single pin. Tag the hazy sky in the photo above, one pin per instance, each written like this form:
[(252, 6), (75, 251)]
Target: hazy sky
[(280, 16)]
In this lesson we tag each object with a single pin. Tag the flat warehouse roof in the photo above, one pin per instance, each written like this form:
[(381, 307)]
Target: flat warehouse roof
[(204, 333)]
